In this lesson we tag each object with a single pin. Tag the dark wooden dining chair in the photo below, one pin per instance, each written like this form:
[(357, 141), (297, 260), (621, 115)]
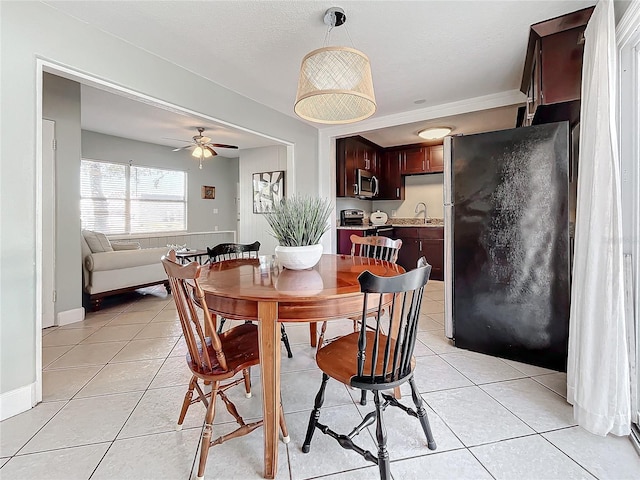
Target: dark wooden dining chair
[(371, 360), (380, 248), (230, 251), (212, 358)]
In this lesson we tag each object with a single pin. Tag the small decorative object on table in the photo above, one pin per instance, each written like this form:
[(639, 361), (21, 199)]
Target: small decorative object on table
[(298, 223)]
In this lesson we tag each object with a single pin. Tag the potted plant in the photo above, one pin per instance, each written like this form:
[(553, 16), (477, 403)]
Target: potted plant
[(298, 223)]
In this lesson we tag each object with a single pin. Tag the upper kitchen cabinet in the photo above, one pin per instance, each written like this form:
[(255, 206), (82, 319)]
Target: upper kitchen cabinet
[(436, 159), (353, 153), (422, 159), (391, 182), (553, 69), (414, 160)]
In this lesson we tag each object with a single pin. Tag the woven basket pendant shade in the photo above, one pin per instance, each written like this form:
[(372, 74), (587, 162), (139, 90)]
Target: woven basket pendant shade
[(335, 84)]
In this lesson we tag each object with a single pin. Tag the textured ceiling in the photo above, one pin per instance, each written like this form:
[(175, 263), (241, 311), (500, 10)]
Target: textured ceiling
[(436, 51)]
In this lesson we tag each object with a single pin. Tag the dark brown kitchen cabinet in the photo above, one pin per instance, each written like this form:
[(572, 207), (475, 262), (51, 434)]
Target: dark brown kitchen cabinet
[(391, 182), (414, 160), (344, 239), (436, 159), (422, 159), (552, 75), (353, 153), (422, 241)]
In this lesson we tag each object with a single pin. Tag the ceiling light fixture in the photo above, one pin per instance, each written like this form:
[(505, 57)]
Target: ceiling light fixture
[(435, 133), (203, 152), (335, 84)]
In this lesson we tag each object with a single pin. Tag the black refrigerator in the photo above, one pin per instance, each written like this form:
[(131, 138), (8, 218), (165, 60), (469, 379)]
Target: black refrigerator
[(506, 198)]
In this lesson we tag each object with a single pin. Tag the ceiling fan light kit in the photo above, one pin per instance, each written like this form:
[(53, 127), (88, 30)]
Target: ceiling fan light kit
[(204, 147), (335, 84)]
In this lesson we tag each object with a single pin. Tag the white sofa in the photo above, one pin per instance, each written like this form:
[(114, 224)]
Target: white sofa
[(127, 267)]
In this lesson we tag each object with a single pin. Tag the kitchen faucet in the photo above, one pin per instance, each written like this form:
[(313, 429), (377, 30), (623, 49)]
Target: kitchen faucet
[(424, 210)]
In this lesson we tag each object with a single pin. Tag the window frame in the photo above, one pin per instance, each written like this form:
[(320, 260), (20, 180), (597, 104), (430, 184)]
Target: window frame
[(128, 200)]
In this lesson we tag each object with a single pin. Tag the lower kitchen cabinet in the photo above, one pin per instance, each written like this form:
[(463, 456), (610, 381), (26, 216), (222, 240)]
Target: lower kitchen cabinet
[(344, 239), (422, 241)]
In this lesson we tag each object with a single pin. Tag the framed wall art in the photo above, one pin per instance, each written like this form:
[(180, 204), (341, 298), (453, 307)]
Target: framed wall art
[(208, 192), (268, 189)]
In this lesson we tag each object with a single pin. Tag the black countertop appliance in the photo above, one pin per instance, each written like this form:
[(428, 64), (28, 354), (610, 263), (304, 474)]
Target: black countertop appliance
[(352, 217)]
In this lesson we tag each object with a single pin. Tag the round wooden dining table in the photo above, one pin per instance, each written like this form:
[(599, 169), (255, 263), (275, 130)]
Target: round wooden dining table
[(261, 290)]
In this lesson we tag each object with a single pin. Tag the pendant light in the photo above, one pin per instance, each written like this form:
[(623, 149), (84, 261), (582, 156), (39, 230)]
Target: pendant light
[(335, 84)]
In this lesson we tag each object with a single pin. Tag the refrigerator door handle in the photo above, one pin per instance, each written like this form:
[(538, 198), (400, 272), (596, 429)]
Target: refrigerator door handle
[(446, 191), (448, 236), (448, 271)]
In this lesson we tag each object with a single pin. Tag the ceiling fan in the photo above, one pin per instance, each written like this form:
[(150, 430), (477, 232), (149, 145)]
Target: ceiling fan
[(203, 146)]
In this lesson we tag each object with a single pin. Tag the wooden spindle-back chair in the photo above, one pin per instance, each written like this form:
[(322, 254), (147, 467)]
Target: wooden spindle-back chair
[(212, 358), (232, 251), (371, 360), (382, 248)]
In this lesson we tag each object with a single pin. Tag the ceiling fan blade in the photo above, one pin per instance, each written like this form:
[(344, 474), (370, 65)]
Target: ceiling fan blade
[(222, 145), (177, 139), (180, 148)]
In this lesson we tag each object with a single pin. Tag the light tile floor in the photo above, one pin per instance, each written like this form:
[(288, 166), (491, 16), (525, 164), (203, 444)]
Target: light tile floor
[(113, 386)]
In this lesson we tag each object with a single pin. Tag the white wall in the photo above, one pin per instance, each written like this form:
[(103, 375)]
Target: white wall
[(253, 225), (219, 172), (61, 103), (30, 31), (418, 188)]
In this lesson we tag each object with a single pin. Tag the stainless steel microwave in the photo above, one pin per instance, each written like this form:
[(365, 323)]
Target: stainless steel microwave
[(366, 184)]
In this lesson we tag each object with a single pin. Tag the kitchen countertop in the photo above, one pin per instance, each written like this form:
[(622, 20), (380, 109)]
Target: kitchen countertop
[(398, 222)]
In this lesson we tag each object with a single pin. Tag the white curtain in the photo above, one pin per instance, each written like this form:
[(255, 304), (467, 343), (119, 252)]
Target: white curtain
[(598, 366)]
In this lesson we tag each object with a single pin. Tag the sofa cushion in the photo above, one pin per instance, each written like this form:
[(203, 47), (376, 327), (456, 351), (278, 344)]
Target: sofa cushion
[(98, 242), (104, 261), (117, 246)]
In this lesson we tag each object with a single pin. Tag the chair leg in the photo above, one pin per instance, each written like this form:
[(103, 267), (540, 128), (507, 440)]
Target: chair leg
[(315, 414), (208, 430), (381, 438), (186, 403), (285, 340), (222, 320), (363, 397), (246, 373), (283, 427), (422, 415)]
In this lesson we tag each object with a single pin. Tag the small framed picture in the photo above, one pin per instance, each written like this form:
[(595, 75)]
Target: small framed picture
[(208, 192)]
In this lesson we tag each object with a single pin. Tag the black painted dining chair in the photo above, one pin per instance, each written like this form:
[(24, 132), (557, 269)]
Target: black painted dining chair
[(377, 247), (370, 360), (231, 251)]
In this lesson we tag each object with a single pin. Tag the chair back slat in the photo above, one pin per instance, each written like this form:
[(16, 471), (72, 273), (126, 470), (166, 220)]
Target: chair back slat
[(231, 251), (407, 290), (191, 305), (381, 248)]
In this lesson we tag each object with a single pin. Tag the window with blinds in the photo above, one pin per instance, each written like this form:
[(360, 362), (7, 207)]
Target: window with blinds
[(121, 199)]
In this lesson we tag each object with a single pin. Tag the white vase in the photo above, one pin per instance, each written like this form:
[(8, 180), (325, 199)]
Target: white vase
[(298, 258)]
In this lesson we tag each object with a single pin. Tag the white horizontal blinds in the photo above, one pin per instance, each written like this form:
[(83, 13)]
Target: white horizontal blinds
[(103, 194), (117, 198), (158, 201)]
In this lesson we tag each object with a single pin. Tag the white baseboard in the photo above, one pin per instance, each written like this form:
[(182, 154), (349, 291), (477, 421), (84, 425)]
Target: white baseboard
[(17, 401), (70, 316)]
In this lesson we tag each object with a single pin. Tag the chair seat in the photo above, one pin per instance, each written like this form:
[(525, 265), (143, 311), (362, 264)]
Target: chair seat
[(240, 347), (338, 359)]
